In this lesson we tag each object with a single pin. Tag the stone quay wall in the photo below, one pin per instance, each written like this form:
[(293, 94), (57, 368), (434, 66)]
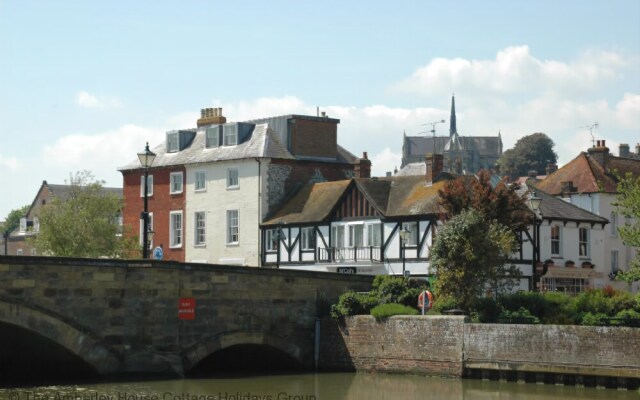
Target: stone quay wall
[(451, 346)]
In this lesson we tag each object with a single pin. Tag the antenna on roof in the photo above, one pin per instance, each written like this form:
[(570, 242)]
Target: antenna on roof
[(591, 127), (433, 131)]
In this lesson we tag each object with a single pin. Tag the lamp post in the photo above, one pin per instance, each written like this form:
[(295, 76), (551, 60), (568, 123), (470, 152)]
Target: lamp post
[(5, 236), (404, 235), (146, 159), (534, 205), (279, 237)]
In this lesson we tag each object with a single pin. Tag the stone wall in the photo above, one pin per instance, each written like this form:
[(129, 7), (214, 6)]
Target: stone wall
[(449, 346), (122, 316)]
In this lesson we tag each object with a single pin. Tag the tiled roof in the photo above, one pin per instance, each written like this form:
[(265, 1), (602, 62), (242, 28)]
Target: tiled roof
[(554, 208), (263, 143), (417, 168), (411, 196), (588, 176), (312, 203)]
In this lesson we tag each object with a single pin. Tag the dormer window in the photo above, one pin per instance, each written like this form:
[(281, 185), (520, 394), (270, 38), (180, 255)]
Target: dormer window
[(172, 142), (213, 136), (23, 225), (230, 135)]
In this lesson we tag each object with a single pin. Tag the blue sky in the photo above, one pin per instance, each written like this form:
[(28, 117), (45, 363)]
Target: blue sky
[(84, 84)]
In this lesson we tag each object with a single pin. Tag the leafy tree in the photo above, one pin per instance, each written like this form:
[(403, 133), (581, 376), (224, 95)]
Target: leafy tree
[(469, 255), (13, 219), (628, 204), (84, 224), (501, 203), (531, 152)]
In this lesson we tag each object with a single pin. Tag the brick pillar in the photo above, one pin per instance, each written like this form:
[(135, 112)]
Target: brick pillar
[(363, 168), (435, 165), (600, 153)]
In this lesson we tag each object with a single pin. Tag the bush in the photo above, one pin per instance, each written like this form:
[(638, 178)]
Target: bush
[(532, 301), (594, 319), (394, 289), (390, 309), (486, 310), (594, 302), (519, 316), (558, 309), (628, 317), (445, 303), (352, 303)]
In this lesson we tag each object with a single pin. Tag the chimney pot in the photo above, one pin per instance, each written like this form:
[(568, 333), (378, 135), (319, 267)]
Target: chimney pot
[(603, 144), (364, 155), (323, 114)]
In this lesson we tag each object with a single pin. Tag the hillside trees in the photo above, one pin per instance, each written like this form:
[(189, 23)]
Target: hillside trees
[(531, 152), (628, 204), (12, 221)]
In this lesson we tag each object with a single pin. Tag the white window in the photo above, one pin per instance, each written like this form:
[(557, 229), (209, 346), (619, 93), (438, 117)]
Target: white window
[(199, 223), (271, 240), (555, 240), (201, 181), (213, 137), (412, 237), (583, 242), (172, 142), (356, 235), (150, 230), (232, 227), (19, 252), (175, 228), (149, 185), (337, 236), (308, 238), (176, 182), (23, 225), (373, 235), (613, 220), (230, 135), (232, 178)]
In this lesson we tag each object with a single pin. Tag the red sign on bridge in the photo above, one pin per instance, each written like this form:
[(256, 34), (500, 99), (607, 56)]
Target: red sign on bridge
[(187, 308)]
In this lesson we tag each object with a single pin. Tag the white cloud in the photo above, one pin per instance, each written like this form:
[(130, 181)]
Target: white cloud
[(10, 163), (385, 161), (84, 99)]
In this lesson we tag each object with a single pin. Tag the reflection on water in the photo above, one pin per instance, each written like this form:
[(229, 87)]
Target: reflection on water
[(329, 386)]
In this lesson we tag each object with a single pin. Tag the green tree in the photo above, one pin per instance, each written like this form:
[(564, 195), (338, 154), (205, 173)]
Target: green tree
[(531, 152), (628, 204), (84, 224), (469, 256), (13, 219)]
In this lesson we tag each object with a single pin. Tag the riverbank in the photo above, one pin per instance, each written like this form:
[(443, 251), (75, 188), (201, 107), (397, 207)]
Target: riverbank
[(451, 346)]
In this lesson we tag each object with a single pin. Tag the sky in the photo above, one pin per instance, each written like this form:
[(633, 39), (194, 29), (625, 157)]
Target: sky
[(84, 84)]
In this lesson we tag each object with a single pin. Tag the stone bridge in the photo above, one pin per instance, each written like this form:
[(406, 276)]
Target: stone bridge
[(121, 316)]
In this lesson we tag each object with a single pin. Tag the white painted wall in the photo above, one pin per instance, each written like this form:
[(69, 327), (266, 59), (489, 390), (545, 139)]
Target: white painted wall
[(215, 201)]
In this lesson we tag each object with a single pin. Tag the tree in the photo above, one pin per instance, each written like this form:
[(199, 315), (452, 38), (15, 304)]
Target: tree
[(84, 224), (531, 152), (13, 219), (469, 255), (628, 204), (500, 203)]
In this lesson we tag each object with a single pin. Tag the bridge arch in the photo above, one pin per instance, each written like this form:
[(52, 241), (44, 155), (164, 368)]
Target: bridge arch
[(221, 341), (81, 344)]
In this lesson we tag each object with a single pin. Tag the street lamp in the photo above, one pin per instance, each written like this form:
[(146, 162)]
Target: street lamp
[(404, 235), (534, 205), (279, 237), (146, 159), (5, 236)]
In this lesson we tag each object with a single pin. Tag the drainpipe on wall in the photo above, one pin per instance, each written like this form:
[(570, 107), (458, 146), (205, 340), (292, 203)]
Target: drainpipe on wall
[(259, 212)]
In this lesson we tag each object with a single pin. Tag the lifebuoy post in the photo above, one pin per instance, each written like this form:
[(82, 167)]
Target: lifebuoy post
[(425, 301)]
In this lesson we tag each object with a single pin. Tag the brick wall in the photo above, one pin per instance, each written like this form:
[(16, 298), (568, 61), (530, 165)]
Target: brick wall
[(160, 204), (438, 345), (430, 346), (314, 138)]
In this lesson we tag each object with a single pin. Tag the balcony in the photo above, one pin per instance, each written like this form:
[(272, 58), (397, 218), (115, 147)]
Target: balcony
[(349, 254)]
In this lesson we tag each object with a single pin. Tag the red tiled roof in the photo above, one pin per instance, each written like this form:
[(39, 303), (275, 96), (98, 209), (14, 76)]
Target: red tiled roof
[(588, 175)]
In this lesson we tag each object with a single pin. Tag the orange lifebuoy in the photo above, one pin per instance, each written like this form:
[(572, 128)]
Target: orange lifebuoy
[(421, 302)]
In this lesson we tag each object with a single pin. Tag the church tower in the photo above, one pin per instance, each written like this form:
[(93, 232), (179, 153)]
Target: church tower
[(452, 120)]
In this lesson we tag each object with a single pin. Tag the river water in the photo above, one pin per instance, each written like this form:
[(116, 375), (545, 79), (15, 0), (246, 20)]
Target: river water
[(325, 386)]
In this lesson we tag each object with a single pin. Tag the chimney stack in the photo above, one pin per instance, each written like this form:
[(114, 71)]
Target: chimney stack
[(435, 165), (623, 150), (363, 168), (551, 168), (211, 116), (600, 153)]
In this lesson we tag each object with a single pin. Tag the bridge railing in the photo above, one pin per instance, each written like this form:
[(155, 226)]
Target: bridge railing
[(349, 254)]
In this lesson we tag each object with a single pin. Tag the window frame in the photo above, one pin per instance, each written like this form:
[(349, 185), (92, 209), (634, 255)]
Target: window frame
[(373, 232), (553, 240), (353, 234), (337, 231), (233, 229), (229, 178), (308, 238), (208, 144), (412, 241), (584, 250), (202, 173), (171, 138), (199, 231), (226, 135), (614, 224), (176, 232), (172, 182), (149, 185)]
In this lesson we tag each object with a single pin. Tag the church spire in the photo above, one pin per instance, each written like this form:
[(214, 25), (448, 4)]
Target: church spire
[(452, 121)]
